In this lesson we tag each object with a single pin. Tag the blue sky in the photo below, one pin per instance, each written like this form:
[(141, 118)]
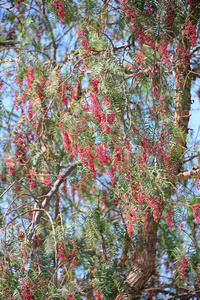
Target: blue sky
[(195, 111)]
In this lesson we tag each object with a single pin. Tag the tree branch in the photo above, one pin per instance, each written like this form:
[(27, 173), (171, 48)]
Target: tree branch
[(195, 49), (189, 174), (57, 183)]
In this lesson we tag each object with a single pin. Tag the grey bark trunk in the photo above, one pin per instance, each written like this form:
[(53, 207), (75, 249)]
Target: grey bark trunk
[(145, 263)]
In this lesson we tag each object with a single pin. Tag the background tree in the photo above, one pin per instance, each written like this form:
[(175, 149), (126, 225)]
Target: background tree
[(99, 177)]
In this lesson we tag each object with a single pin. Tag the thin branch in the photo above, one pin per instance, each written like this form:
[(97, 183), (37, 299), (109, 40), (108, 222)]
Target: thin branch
[(194, 72), (194, 49), (25, 212), (113, 46), (54, 234), (8, 188), (104, 248), (57, 183), (190, 158), (48, 26)]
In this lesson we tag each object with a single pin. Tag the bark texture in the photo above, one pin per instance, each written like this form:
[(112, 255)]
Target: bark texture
[(145, 263), (183, 80), (189, 174)]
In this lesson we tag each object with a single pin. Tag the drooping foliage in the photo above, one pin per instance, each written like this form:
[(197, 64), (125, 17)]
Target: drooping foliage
[(99, 176)]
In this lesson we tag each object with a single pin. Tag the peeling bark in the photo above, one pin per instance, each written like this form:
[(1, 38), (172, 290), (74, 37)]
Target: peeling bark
[(189, 174), (145, 264), (125, 252)]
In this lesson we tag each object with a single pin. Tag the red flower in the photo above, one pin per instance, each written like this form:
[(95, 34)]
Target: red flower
[(196, 211), (182, 269)]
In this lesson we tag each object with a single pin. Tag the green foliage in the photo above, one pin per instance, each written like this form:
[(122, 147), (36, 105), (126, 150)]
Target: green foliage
[(92, 150)]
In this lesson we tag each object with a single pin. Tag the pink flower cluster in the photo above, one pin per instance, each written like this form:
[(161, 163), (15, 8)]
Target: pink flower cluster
[(30, 77), (66, 139), (103, 118), (83, 34), (117, 158), (139, 193), (154, 203), (98, 296), (90, 156), (59, 177), (129, 12), (10, 165), (64, 187), (69, 297), (81, 31), (169, 218), (198, 275), (169, 17), (59, 6), (165, 54), (30, 111), (69, 258), (190, 32), (183, 268), (63, 93), (46, 180), (27, 290), (21, 147), (36, 126), (131, 218), (101, 154), (196, 211), (111, 172), (118, 297), (20, 156)]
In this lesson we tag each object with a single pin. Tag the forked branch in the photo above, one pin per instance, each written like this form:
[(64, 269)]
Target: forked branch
[(57, 183)]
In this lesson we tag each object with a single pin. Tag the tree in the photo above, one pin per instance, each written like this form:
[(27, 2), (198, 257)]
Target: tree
[(99, 176)]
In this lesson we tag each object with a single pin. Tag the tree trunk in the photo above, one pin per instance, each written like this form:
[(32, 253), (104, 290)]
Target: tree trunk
[(183, 81), (145, 263)]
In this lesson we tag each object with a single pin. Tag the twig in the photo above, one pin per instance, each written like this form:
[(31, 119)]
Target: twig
[(194, 49), (8, 188), (104, 248)]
